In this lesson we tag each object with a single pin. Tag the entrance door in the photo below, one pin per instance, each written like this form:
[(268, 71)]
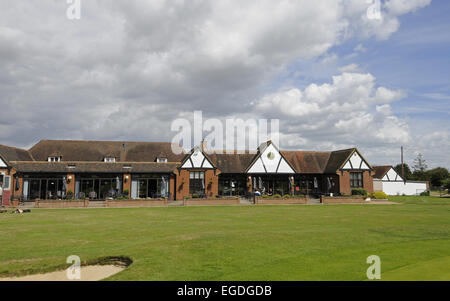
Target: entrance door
[(153, 188), (6, 190)]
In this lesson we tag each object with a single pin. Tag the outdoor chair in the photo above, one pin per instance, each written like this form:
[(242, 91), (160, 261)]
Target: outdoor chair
[(92, 195)]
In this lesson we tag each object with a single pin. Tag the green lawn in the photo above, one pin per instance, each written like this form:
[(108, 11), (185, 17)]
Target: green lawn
[(238, 243)]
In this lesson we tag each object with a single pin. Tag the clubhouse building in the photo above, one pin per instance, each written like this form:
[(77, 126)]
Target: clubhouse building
[(61, 169)]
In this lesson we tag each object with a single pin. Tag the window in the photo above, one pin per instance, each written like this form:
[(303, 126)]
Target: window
[(109, 160), (161, 160), (197, 182), (6, 182), (54, 159), (356, 180)]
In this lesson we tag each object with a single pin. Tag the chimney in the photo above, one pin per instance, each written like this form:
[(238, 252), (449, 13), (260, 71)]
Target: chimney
[(203, 145)]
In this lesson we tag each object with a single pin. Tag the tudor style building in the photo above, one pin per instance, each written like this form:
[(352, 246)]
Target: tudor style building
[(55, 169)]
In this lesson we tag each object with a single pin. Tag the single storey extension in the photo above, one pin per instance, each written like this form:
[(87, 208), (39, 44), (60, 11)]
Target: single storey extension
[(58, 169), (386, 179)]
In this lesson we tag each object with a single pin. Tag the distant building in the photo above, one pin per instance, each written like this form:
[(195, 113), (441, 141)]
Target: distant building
[(386, 179)]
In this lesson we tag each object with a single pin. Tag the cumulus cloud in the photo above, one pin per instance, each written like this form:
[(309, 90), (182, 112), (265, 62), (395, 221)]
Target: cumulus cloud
[(128, 68), (349, 68), (345, 110)]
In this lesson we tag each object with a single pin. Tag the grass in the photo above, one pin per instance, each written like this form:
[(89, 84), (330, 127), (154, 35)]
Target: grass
[(238, 243)]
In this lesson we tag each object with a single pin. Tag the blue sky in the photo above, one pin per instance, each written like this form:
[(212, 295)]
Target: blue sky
[(414, 59)]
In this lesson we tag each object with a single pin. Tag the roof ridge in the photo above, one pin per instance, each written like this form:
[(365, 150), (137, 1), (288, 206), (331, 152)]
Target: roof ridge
[(89, 140), (13, 147)]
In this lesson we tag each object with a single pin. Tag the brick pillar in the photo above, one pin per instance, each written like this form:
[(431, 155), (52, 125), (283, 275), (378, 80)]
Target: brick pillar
[(249, 184), (127, 184), (211, 183), (172, 188), (292, 180), (70, 178), (182, 184), (16, 193)]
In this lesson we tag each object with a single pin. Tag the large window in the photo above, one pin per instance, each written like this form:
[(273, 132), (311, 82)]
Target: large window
[(100, 187), (150, 186), (356, 180), (197, 182), (44, 188), (232, 185)]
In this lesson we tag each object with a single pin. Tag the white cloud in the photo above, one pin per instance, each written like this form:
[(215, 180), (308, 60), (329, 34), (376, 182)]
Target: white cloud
[(350, 68), (128, 68), (401, 7), (344, 110)]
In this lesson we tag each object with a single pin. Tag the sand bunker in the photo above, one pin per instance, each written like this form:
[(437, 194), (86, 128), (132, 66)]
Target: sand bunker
[(88, 273)]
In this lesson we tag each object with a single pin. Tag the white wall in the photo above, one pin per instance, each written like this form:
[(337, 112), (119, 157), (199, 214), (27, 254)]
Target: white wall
[(2, 163), (377, 185), (273, 164), (399, 188)]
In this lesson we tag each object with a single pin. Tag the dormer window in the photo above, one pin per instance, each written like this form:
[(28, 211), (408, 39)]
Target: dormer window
[(109, 160), (54, 159), (161, 160)]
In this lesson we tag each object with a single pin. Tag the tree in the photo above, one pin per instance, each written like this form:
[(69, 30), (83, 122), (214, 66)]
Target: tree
[(446, 184), (437, 176), (420, 167), (420, 164), (408, 173)]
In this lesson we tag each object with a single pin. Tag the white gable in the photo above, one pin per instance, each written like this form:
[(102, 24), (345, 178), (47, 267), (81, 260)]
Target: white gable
[(392, 175), (257, 167), (197, 160), (271, 161), (356, 162), (347, 165), (2, 163), (206, 164), (187, 164)]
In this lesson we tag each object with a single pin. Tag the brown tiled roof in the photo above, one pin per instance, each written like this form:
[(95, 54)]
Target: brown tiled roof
[(93, 167), (96, 151), (232, 162), (9, 154), (88, 156), (380, 171), (307, 161), (337, 158)]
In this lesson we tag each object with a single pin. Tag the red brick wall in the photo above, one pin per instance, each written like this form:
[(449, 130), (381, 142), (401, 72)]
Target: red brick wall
[(8, 194), (172, 188), (368, 181), (287, 201), (211, 183), (61, 204), (342, 200), (182, 189), (135, 203), (344, 182), (209, 202), (71, 183), (127, 183), (211, 189)]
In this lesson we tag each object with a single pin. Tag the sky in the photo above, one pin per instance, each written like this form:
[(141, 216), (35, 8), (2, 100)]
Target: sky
[(334, 77)]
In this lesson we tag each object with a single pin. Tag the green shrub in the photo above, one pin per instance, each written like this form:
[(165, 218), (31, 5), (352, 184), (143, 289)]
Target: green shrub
[(425, 193), (359, 191), (286, 196), (277, 196)]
